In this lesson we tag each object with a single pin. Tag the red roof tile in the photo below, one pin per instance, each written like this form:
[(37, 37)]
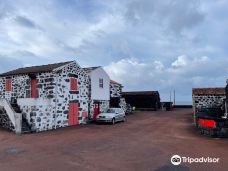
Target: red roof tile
[(205, 91), (35, 69)]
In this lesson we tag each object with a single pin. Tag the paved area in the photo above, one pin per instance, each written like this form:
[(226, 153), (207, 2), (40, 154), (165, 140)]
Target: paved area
[(145, 142)]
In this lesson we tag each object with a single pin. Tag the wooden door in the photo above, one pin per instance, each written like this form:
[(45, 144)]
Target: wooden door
[(73, 114), (96, 110), (33, 88)]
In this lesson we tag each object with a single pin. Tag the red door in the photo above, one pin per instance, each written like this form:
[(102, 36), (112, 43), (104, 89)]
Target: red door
[(96, 110), (33, 88), (73, 114)]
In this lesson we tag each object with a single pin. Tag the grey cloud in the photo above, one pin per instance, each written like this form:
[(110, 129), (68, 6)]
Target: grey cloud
[(185, 14), (138, 10), (25, 22), (194, 72), (175, 14), (5, 9), (103, 34)]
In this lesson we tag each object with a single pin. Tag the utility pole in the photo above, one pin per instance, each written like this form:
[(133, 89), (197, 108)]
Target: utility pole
[(170, 96), (174, 97)]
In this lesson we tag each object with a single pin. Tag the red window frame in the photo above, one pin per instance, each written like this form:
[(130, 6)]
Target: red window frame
[(101, 83), (33, 88), (8, 85), (73, 84)]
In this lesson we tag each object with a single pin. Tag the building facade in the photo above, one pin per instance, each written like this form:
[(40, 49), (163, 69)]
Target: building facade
[(207, 98), (99, 83), (47, 96), (116, 95)]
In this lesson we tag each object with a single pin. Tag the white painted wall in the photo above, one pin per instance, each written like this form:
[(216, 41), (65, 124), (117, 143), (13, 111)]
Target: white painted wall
[(98, 93)]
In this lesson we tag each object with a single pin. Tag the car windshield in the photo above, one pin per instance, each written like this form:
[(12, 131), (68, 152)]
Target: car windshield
[(110, 111)]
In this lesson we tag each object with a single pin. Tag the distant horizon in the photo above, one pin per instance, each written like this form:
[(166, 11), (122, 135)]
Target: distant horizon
[(183, 103)]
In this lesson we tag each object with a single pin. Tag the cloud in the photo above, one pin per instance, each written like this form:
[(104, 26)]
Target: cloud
[(23, 21), (141, 37), (182, 74), (174, 14), (180, 62)]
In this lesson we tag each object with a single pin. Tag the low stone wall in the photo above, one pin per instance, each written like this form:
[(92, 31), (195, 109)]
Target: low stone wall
[(5, 121), (207, 98), (205, 101), (40, 113)]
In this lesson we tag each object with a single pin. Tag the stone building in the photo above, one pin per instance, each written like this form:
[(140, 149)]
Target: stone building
[(207, 98), (115, 89), (44, 97), (99, 91), (116, 99)]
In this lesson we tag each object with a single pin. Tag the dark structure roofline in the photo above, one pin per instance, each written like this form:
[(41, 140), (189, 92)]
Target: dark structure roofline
[(35, 69), (141, 93)]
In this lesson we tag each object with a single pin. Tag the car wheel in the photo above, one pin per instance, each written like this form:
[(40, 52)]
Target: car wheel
[(113, 121)]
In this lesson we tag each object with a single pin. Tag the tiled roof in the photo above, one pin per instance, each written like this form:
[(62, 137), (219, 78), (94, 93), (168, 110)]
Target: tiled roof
[(114, 82), (205, 91), (35, 69)]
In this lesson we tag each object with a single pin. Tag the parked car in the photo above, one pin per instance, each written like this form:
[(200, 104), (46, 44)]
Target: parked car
[(112, 115)]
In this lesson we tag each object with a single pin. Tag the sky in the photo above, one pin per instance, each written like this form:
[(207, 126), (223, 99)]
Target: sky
[(162, 45)]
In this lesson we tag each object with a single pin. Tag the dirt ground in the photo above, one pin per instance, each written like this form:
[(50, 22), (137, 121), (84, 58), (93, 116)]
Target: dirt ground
[(146, 141)]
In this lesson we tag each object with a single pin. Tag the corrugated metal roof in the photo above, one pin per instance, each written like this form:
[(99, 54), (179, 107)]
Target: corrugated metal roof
[(205, 91), (35, 69)]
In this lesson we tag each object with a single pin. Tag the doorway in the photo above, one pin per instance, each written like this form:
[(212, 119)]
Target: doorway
[(96, 110), (73, 114)]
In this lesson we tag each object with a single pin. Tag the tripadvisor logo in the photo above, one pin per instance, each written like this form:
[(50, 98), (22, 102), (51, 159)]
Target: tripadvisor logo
[(177, 160)]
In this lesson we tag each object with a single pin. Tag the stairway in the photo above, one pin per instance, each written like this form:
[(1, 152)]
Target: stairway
[(25, 128)]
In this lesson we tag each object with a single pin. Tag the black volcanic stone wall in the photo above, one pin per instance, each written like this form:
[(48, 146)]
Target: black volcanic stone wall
[(4, 120), (205, 101), (115, 90), (21, 86)]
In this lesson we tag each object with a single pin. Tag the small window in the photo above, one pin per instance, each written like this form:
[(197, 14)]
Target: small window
[(73, 84), (8, 85), (101, 83)]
